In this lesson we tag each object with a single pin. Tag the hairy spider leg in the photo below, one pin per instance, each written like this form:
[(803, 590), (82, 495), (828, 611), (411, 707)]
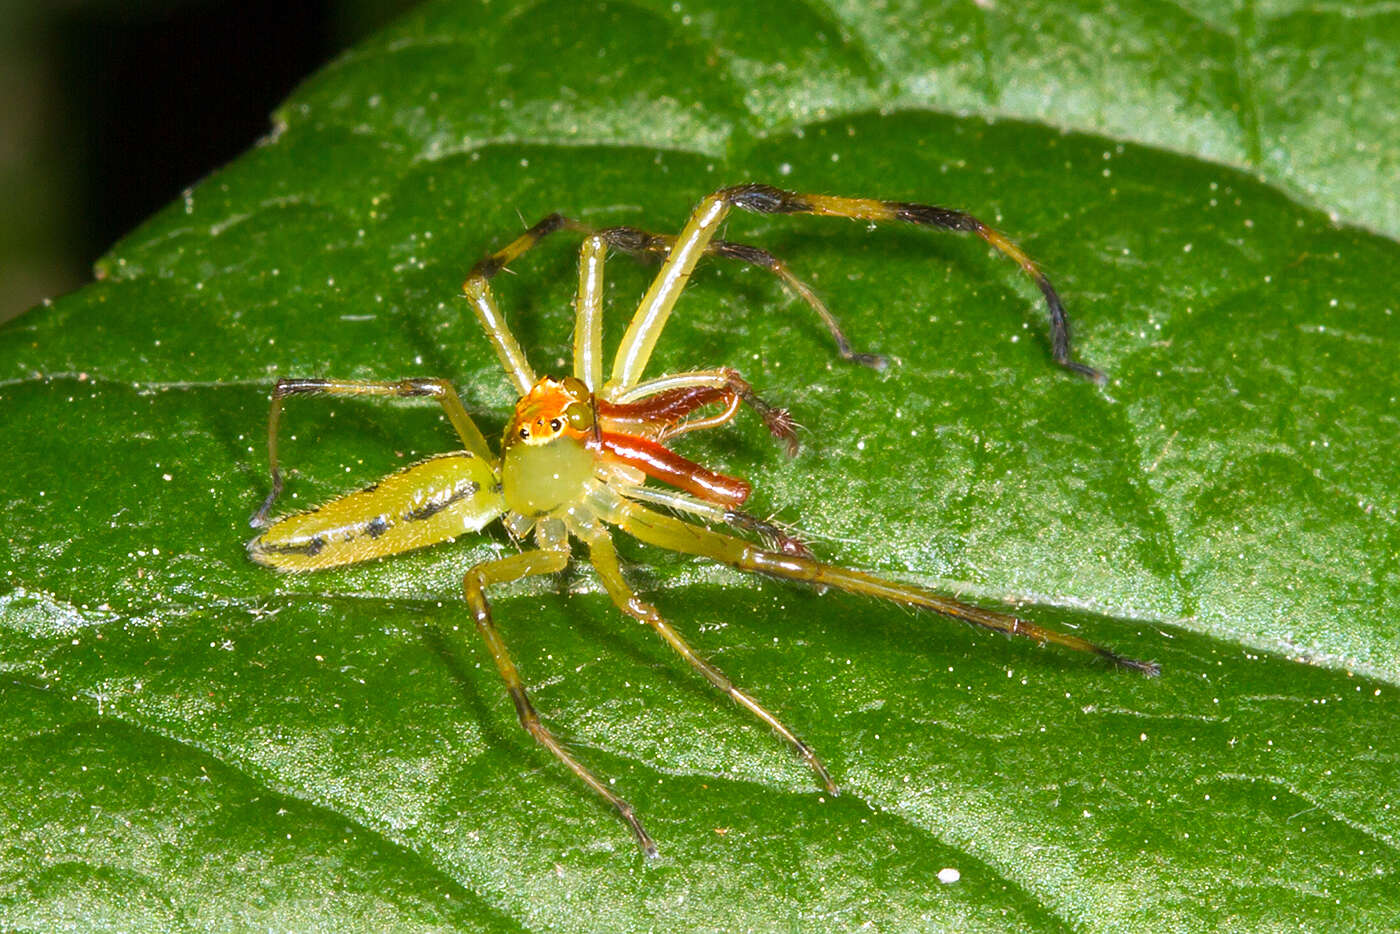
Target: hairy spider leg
[(723, 379), (505, 570), (588, 312), (632, 240), (775, 536), (674, 534), (588, 322), (664, 414), (659, 414), (696, 237), (477, 288), (666, 400), (588, 360), (634, 433), (660, 462), (603, 556), (421, 388)]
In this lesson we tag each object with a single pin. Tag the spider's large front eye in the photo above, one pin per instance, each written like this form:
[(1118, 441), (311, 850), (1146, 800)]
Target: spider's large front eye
[(525, 434), (556, 425), (580, 416)]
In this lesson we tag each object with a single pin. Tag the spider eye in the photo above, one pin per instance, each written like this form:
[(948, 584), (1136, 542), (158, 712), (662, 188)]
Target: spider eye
[(555, 425), (580, 416), (525, 434)]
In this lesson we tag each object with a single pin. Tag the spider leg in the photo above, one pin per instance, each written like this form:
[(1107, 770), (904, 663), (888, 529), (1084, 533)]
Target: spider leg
[(696, 239), (670, 398), (688, 400), (803, 291), (632, 240), (424, 387), (477, 288), (588, 312), (603, 555), (656, 460), (774, 536), (588, 362), (514, 567), (674, 534)]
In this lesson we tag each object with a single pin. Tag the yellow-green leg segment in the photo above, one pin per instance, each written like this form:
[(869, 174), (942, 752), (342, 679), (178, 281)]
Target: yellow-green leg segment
[(439, 390), (675, 534), (603, 555), (504, 570), (697, 239), (588, 364)]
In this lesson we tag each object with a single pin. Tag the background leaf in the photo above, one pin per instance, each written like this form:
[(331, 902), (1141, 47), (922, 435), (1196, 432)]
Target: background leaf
[(195, 742)]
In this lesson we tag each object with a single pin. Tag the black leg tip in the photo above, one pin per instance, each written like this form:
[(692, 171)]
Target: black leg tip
[(259, 519), (1148, 669), (876, 361), (1099, 377)]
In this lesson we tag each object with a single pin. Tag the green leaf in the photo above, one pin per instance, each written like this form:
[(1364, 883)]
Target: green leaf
[(197, 742)]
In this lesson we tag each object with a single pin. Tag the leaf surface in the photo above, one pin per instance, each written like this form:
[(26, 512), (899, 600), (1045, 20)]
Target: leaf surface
[(197, 742)]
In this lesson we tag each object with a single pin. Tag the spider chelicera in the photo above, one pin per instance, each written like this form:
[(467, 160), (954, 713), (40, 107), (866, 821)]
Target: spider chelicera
[(578, 452)]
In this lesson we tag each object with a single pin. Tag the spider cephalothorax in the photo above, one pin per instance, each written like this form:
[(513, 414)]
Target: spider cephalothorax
[(551, 408), (579, 451)]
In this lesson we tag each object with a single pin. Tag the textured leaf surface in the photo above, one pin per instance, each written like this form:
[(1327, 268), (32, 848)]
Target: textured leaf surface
[(195, 742)]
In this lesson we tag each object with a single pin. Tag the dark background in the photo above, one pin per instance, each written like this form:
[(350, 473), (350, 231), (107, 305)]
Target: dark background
[(108, 110)]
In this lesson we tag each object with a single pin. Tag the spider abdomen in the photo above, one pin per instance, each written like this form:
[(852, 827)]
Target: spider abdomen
[(423, 504)]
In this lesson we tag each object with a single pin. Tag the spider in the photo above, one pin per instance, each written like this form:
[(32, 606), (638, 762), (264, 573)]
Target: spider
[(578, 452)]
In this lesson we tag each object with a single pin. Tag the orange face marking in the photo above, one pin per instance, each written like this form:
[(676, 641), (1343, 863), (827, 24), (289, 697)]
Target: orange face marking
[(550, 409)]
